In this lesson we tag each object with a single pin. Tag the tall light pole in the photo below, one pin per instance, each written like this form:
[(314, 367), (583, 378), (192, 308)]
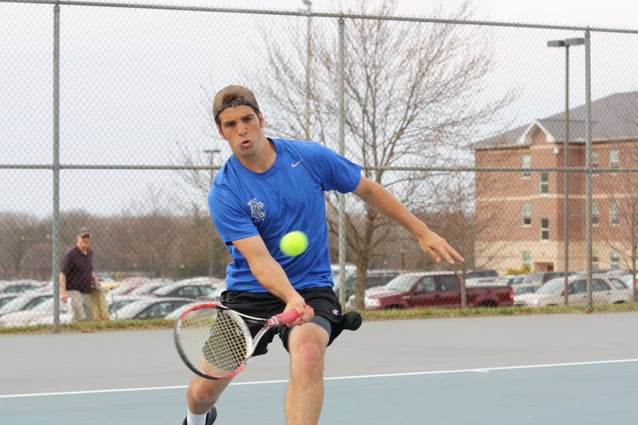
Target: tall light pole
[(306, 111), (566, 43)]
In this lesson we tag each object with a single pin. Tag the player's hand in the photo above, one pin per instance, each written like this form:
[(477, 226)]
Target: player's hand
[(306, 313), (438, 248)]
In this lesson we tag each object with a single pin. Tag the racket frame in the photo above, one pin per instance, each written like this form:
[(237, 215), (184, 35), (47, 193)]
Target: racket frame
[(252, 342)]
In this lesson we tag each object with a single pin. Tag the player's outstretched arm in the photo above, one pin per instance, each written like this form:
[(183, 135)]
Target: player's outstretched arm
[(383, 201)]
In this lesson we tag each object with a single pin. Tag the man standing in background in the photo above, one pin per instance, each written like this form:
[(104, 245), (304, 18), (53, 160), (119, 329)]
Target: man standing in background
[(76, 277)]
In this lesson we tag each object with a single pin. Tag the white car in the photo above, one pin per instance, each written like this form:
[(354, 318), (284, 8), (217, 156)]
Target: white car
[(42, 314), (605, 290), (149, 308), (25, 301)]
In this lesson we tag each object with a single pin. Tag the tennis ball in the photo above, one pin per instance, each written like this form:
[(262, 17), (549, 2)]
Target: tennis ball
[(293, 243)]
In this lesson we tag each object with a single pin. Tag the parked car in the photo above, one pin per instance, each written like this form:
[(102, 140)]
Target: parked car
[(525, 288), (480, 277), (541, 277), (41, 314), (432, 289), (5, 298), (116, 302), (24, 302), (511, 279), (629, 281), (130, 285), (374, 277), (174, 315), (605, 290), (508, 279), (216, 294), (146, 288), (149, 308), (127, 285), (350, 269), (192, 290), (19, 286)]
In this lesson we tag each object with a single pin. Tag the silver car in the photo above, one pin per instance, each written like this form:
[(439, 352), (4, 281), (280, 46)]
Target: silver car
[(605, 290)]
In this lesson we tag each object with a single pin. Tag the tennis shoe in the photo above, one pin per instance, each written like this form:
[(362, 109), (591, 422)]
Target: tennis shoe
[(210, 416)]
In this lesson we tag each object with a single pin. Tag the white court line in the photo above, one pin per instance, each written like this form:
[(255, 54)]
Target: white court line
[(336, 378)]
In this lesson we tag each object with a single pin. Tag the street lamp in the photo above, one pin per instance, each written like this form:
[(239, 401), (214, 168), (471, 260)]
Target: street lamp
[(566, 43)]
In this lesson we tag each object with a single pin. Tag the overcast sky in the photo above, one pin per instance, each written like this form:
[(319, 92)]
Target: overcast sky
[(102, 128)]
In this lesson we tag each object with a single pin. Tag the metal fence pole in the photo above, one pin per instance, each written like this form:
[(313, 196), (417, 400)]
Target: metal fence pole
[(55, 239), (588, 208), (342, 149)]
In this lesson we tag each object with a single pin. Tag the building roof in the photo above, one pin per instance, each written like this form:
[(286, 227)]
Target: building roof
[(614, 117)]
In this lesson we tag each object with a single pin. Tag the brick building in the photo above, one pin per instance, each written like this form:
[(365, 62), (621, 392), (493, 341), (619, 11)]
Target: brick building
[(521, 213)]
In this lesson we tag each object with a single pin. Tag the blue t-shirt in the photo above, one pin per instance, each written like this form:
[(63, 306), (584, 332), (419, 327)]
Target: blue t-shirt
[(288, 196)]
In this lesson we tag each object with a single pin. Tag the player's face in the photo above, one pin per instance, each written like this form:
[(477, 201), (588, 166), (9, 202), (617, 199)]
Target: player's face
[(243, 129)]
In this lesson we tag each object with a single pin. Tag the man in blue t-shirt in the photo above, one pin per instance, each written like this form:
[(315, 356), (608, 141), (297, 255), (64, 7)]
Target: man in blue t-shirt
[(267, 188)]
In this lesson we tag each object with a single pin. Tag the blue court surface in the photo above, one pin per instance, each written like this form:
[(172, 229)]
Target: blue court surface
[(572, 369)]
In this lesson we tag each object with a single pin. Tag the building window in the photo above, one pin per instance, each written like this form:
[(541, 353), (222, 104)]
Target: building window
[(527, 215), (544, 229), (614, 159), (526, 164), (527, 258), (595, 159), (614, 213), (595, 213), (614, 261), (544, 182), (595, 261)]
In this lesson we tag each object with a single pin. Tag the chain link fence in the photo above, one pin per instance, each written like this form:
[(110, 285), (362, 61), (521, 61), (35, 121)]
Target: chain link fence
[(105, 122)]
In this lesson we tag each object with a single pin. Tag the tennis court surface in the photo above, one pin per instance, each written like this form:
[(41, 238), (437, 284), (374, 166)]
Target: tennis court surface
[(553, 369)]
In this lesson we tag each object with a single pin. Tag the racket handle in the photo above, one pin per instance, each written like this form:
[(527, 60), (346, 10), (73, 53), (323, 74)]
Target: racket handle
[(283, 318)]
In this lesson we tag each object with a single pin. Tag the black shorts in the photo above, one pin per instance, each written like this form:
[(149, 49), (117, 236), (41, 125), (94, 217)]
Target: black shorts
[(322, 299)]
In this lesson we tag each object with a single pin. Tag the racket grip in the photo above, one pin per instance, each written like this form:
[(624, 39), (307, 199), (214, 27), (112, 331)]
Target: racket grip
[(283, 318)]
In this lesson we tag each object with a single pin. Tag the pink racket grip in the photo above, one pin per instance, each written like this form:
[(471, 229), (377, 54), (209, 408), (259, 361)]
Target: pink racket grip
[(283, 318)]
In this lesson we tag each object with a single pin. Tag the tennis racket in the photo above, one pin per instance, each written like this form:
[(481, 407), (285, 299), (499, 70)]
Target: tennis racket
[(215, 342)]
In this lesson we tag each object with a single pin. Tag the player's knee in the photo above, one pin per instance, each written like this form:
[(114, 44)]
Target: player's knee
[(202, 393), (308, 356)]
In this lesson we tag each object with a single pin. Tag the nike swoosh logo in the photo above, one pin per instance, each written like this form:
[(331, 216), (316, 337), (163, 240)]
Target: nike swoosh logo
[(294, 164)]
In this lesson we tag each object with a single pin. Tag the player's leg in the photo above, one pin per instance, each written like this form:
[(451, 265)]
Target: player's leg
[(304, 395), (201, 396)]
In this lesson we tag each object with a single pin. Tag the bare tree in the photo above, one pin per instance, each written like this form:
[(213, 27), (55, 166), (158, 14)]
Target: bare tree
[(621, 236), (620, 232), (22, 238), (203, 253), (415, 96)]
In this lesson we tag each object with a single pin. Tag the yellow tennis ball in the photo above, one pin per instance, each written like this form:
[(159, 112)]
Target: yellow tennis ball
[(293, 243)]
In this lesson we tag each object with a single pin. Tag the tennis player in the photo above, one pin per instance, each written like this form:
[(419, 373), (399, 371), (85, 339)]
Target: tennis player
[(265, 189)]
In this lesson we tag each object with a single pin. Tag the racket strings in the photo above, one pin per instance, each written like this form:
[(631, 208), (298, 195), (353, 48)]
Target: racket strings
[(226, 348)]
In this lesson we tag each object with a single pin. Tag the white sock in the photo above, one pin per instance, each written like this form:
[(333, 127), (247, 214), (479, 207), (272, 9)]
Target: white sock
[(193, 419)]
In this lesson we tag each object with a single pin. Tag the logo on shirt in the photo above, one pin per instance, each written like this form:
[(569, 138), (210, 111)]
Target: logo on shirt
[(256, 209), (295, 164)]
